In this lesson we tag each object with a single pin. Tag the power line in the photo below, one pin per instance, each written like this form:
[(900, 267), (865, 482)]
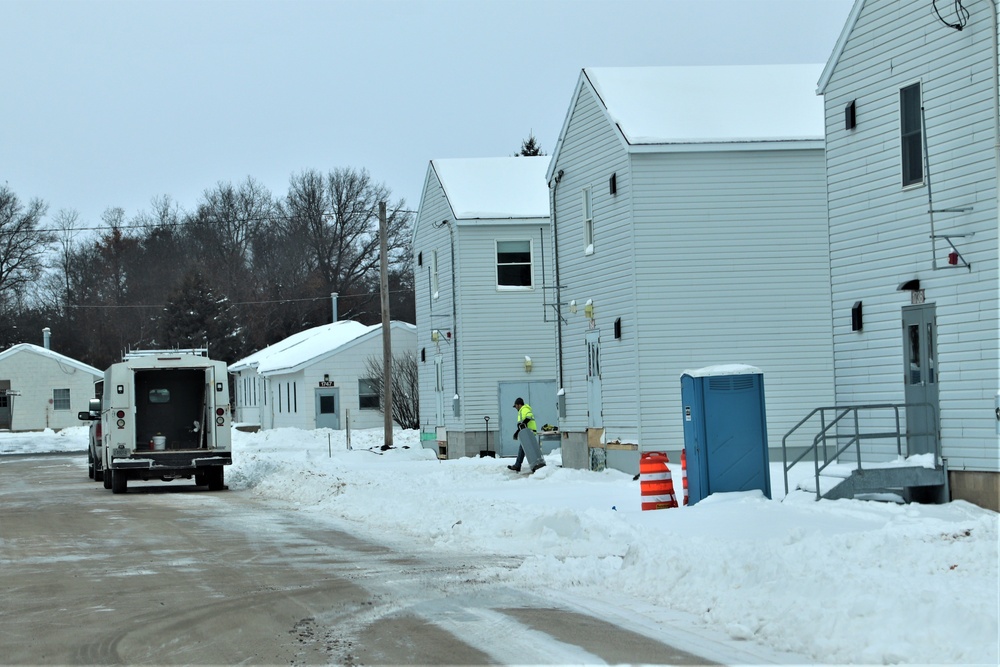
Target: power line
[(194, 222), (243, 303)]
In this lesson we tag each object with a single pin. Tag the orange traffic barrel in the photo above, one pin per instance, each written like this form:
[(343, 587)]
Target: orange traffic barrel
[(684, 475), (655, 483)]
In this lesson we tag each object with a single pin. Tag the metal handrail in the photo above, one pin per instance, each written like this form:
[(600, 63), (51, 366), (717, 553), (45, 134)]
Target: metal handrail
[(855, 440)]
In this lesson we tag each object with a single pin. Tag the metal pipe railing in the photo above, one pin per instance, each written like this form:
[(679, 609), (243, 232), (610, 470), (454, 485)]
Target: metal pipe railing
[(853, 439)]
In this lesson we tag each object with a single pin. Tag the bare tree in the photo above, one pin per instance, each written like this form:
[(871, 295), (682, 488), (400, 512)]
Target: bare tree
[(405, 387), (334, 220), (228, 221), (23, 241)]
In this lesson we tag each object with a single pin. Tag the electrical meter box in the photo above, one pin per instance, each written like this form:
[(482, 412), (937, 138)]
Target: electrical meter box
[(725, 431)]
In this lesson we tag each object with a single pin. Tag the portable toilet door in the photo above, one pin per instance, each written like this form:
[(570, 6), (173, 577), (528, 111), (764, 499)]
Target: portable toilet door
[(725, 431)]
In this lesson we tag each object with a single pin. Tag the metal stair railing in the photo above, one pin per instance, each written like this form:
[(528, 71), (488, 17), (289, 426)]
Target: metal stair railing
[(836, 416)]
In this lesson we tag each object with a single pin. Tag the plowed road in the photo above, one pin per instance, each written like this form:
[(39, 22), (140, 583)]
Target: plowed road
[(175, 574)]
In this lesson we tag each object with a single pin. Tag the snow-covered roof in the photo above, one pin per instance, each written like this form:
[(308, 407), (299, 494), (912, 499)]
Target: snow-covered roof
[(310, 346), (304, 344), (723, 369), (711, 104), (45, 352), (495, 188)]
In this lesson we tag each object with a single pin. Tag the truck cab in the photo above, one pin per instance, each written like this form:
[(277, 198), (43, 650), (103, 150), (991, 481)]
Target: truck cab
[(95, 468)]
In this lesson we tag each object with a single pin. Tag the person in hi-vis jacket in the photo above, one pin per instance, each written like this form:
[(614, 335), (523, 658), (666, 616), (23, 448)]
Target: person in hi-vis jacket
[(525, 419)]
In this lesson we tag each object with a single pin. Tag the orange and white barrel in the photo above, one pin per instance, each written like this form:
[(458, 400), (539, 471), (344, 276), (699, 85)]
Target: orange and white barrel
[(655, 482), (684, 475)]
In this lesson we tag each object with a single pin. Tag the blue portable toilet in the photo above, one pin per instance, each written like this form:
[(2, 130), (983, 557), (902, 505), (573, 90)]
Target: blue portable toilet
[(725, 432)]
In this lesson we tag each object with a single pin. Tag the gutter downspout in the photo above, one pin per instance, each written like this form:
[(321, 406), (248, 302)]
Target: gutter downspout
[(994, 9), (555, 256), (454, 317)]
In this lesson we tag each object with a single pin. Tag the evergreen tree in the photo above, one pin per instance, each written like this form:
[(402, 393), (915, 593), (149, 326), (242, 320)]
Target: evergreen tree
[(530, 147), (195, 317)]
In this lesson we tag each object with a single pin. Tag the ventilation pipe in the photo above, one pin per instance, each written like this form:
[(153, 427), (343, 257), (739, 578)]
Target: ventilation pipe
[(333, 300), (47, 338)]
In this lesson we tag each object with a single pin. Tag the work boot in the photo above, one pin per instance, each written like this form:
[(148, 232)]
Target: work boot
[(514, 468), (538, 466)]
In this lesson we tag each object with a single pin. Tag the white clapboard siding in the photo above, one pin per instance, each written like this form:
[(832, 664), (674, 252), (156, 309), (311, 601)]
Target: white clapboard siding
[(879, 231), (492, 329), (732, 267), (707, 256), (590, 153), (433, 309)]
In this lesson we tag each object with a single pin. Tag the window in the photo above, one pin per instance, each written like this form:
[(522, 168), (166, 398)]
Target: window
[(159, 395), (434, 274), (513, 264), (60, 399), (368, 397), (588, 221), (911, 135)]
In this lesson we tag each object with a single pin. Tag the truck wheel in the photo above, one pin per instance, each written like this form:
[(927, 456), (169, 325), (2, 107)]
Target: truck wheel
[(90, 463), (98, 474), (200, 479), (106, 478), (119, 482), (215, 479)]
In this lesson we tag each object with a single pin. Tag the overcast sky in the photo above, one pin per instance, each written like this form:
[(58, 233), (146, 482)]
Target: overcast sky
[(115, 102)]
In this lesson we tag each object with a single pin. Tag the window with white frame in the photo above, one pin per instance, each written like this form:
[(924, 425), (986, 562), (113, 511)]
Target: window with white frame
[(368, 395), (588, 221), (434, 274), (60, 399), (911, 135), (513, 264)]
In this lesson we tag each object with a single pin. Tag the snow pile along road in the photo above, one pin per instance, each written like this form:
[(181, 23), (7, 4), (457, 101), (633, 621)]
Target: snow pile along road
[(833, 581)]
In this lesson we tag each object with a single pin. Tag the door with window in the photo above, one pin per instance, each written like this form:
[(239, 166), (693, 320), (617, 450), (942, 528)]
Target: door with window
[(328, 407), (595, 410), (920, 378)]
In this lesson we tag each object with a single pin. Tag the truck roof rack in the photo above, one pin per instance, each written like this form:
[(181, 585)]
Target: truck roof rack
[(196, 351)]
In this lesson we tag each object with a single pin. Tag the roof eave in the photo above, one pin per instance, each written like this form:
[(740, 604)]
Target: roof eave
[(722, 146), (838, 48)]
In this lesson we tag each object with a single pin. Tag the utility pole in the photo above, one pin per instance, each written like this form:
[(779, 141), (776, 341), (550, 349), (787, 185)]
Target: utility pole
[(386, 338)]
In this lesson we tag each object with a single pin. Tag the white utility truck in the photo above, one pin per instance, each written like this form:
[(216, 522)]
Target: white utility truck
[(165, 414)]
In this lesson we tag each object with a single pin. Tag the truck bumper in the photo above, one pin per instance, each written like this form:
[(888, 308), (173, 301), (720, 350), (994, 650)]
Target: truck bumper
[(172, 462)]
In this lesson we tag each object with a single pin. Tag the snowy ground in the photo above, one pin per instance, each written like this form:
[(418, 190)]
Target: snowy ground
[(834, 581)]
